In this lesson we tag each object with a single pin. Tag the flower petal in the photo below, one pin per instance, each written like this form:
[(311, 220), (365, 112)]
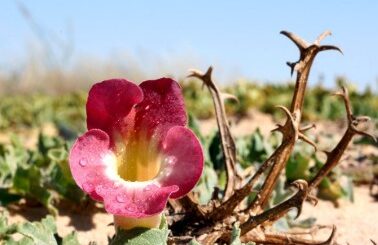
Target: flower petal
[(135, 199), (183, 163), (109, 102), (162, 107), (88, 161), (159, 116)]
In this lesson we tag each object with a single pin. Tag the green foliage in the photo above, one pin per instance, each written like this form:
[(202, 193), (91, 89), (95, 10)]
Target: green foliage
[(330, 190), (209, 178), (215, 152), (34, 233), (235, 236), (197, 99), (41, 174), (142, 236), (249, 95), (298, 167), (206, 184), (66, 111), (39, 232), (289, 221), (334, 186), (254, 148), (194, 242), (319, 103)]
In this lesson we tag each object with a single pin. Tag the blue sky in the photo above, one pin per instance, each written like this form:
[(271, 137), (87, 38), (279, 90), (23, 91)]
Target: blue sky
[(240, 38)]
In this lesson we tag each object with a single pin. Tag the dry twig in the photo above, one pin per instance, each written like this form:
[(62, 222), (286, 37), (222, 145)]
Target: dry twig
[(334, 156), (213, 222), (228, 144)]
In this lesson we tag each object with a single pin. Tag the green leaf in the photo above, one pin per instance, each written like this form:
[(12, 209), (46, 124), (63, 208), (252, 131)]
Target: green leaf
[(281, 225), (305, 223), (298, 167), (329, 190), (206, 184), (7, 198), (347, 188), (12, 156), (253, 148), (41, 233), (215, 152), (142, 236), (194, 125), (280, 193), (49, 223), (34, 233), (71, 239), (64, 185), (194, 242), (5, 228), (27, 181), (57, 154), (23, 241), (235, 236)]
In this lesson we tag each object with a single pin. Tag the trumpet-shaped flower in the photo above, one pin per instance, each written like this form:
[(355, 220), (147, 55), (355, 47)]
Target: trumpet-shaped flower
[(137, 152)]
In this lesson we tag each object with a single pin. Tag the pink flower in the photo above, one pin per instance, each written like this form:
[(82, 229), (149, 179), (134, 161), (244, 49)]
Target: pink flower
[(137, 152)]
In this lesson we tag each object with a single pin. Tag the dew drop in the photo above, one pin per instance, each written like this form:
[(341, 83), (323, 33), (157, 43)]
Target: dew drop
[(90, 138), (121, 198), (87, 187), (130, 208), (138, 202), (147, 107), (170, 161), (142, 206), (147, 188), (82, 162)]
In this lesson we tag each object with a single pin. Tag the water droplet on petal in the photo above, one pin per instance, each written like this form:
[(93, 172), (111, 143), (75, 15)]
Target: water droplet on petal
[(121, 198), (138, 202), (83, 162), (147, 188), (142, 206), (147, 107), (170, 161), (130, 208), (87, 187)]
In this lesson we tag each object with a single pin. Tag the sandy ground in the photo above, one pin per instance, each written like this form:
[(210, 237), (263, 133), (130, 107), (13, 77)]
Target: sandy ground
[(356, 222)]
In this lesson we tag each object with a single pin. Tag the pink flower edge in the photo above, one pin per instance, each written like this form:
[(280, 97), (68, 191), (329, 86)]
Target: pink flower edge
[(93, 160)]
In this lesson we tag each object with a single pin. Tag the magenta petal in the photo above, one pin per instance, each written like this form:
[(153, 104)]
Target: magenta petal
[(135, 199), (109, 102), (183, 160), (119, 112), (87, 161), (162, 107)]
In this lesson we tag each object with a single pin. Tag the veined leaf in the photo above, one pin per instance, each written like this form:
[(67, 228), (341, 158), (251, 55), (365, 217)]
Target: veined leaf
[(41, 233), (142, 236)]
